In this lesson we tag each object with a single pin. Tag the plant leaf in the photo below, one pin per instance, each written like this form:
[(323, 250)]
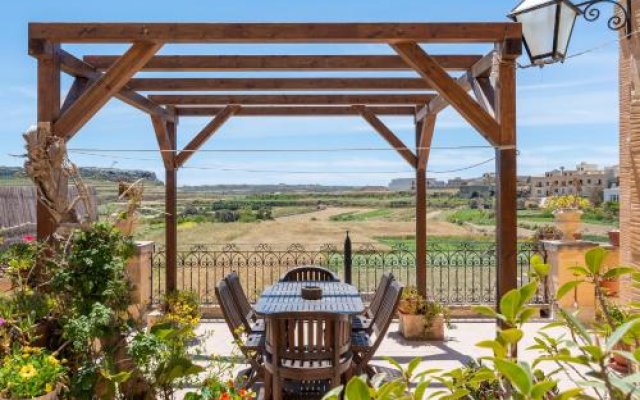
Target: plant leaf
[(357, 389), (566, 288), (594, 259), (516, 374), (619, 333)]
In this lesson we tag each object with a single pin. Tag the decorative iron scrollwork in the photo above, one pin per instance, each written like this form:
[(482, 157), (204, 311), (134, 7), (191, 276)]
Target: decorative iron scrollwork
[(621, 19)]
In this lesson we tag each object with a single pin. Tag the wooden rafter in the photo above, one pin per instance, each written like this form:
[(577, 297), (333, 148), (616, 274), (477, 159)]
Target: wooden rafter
[(387, 134), (306, 111), (481, 69), (76, 67), (424, 144), (164, 142), (292, 99), (183, 63), (283, 84), (447, 32), (99, 93), (450, 90), (209, 130), (484, 93), (79, 85)]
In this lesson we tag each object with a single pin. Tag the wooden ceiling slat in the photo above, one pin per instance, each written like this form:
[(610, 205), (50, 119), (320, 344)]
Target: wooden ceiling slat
[(169, 63), (310, 111), (291, 99), (445, 32), (281, 84)]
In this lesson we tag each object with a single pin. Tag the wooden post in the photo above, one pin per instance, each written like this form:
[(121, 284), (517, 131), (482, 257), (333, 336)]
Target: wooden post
[(171, 217), (421, 218), (506, 173), (48, 111), (347, 259)]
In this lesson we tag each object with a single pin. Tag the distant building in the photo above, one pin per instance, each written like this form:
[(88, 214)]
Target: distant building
[(612, 194), (586, 180), (409, 184)]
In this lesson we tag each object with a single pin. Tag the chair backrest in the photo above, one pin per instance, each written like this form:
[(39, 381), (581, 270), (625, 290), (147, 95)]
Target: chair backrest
[(239, 295), (309, 273), (385, 314), (308, 337), (376, 301), (230, 311)]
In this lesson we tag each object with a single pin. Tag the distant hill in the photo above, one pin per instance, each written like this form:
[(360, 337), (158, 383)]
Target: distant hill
[(281, 188), (92, 173)]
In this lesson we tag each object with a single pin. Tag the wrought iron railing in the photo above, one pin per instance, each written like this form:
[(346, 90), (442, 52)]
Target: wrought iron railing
[(462, 273)]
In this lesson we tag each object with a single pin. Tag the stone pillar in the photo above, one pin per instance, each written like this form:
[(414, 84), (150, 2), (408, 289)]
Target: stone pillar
[(561, 256), (139, 273)]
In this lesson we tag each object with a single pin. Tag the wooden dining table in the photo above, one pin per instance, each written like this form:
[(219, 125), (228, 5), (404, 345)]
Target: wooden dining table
[(337, 297)]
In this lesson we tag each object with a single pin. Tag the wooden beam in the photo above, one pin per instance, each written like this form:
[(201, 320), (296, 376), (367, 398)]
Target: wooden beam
[(101, 91), (79, 85), (164, 142), (171, 215), (169, 63), (206, 132), (291, 99), (481, 68), (426, 136), (506, 177), (447, 32), (264, 84), (48, 110), (387, 134), (76, 67), (449, 89), (484, 94), (292, 111)]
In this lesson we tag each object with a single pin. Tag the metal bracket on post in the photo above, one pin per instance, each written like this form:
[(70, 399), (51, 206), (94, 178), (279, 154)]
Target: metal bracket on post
[(347, 259)]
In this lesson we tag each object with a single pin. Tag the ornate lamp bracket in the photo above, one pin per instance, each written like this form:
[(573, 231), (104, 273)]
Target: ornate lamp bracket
[(618, 21)]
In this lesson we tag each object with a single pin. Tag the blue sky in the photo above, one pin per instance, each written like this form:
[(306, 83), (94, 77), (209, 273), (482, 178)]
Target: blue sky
[(566, 112)]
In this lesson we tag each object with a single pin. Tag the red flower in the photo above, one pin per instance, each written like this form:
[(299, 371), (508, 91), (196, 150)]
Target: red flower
[(28, 238), (225, 396)]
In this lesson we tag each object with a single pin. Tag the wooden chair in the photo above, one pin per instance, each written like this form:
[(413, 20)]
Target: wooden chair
[(365, 321), (251, 344), (307, 354), (365, 344), (251, 322), (309, 273)]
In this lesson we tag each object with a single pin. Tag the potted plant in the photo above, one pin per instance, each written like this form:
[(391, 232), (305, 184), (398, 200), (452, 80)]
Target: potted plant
[(31, 373), (420, 318), (614, 237), (567, 211)]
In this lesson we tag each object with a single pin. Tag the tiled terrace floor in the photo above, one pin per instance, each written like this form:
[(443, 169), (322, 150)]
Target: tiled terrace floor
[(454, 352)]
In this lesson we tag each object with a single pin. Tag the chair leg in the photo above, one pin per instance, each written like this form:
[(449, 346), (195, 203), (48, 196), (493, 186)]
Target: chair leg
[(268, 385), (276, 388)]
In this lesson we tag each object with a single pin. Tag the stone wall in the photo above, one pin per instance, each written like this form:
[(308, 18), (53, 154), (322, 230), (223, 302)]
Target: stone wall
[(630, 155)]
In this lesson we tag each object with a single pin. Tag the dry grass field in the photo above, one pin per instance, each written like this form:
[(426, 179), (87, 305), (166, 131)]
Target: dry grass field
[(312, 228)]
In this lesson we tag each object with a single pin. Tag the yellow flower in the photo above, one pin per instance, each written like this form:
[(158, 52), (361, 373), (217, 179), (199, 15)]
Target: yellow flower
[(48, 388), (52, 360), (28, 371)]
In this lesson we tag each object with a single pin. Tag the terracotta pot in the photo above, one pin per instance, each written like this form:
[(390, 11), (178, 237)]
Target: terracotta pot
[(614, 237), (618, 362), (413, 327), (569, 221), (53, 395), (611, 287)]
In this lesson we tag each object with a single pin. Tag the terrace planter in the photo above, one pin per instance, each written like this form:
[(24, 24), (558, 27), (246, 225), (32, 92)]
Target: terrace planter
[(53, 395), (610, 287), (568, 221), (412, 327)]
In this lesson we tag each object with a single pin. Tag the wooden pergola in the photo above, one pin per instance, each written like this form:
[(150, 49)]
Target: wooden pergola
[(443, 81)]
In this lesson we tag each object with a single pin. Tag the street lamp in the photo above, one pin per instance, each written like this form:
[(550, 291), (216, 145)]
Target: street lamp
[(547, 25)]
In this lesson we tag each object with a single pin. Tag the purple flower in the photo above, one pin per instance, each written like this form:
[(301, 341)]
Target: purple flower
[(2, 321)]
